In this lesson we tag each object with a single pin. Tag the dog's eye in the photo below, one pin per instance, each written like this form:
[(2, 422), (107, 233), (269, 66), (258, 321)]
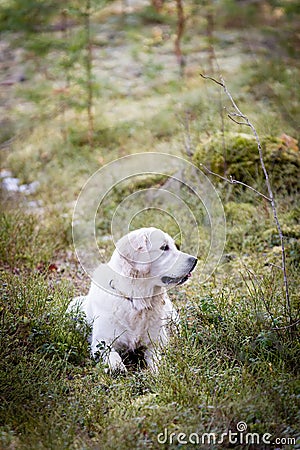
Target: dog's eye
[(165, 247)]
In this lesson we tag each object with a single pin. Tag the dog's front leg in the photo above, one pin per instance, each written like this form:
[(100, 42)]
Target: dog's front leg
[(113, 362), (152, 357), (110, 357)]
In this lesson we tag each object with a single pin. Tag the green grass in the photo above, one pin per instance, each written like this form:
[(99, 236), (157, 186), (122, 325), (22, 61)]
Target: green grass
[(226, 366), (235, 358)]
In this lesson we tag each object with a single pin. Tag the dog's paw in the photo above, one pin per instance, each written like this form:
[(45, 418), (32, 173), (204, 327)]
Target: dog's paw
[(115, 364), (152, 359)]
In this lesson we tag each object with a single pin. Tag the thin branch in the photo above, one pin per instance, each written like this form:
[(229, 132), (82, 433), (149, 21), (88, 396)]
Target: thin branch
[(275, 265), (233, 181), (236, 121), (179, 33), (239, 114), (287, 326), (206, 77)]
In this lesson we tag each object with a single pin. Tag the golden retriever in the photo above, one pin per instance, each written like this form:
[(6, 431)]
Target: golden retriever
[(127, 305)]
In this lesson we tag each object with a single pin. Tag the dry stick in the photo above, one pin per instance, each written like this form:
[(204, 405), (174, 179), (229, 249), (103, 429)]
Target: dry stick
[(233, 181), (271, 199), (180, 30), (287, 326)]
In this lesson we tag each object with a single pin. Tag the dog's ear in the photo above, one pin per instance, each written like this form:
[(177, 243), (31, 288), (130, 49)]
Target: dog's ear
[(134, 249)]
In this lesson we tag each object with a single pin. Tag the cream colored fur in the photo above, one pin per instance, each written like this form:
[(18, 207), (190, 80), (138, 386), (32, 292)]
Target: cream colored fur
[(127, 304)]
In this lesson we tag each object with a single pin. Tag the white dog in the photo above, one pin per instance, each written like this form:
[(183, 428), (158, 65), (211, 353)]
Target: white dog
[(127, 304)]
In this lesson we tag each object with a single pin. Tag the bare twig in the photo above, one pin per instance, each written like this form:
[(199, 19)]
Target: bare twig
[(206, 77), (236, 121), (233, 181), (237, 113), (180, 30), (287, 326), (275, 265)]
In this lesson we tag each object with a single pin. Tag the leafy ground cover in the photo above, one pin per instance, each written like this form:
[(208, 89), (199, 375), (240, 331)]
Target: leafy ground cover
[(236, 359)]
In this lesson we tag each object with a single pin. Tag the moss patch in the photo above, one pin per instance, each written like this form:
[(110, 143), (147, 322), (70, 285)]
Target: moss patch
[(236, 155)]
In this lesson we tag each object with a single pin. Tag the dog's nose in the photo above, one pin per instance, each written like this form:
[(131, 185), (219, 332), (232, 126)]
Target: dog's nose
[(193, 261)]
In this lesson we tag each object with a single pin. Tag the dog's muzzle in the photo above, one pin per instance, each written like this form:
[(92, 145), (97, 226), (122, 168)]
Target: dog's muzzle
[(180, 280)]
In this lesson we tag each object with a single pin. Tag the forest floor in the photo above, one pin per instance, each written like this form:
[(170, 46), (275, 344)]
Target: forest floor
[(236, 359)]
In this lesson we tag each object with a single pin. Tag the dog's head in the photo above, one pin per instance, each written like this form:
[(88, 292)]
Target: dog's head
[(149, 253)]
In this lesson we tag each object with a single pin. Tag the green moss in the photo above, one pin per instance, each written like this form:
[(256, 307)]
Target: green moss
[(236, 155), (239, 212)]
